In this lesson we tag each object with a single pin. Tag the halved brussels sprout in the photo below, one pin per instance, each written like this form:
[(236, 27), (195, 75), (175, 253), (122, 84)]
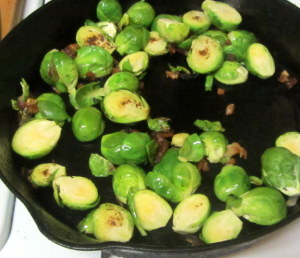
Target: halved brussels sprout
[(121, 80), (172, 31), (231, 73), (289, 140), (178, 139), (218, 35), (99, 166), (197, 21), (221, 226), (128, 177), (109, 222), (190, 214), (89, 94), (281, 170), (42, 175), (192, 149), (205, 55), (232, 180), (259, 61), (36, 138), (168, 16), (124, 106), (262, 205), (135, 63), (109, 28), (87, 124), (75, 192), (94, 36), (222, 15), (132, 39), (156, 45), (141, 13), (109, 10), (93, 61)]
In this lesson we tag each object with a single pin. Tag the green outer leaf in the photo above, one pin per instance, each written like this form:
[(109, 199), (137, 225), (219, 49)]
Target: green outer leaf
[(207, 125), (99, 166), (141, 13), (89, 95), (192, 149), (109, 10), (52, 111)]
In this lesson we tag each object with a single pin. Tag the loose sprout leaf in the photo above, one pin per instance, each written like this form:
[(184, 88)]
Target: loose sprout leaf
[(89, 95), (159, 124), (99, 166), (206, 125), (209, 80)]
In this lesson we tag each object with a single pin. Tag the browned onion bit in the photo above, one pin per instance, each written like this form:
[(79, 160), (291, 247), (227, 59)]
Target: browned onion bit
[(235, 149), (71, 50), (288, 80), (203, 165), (230, 109)]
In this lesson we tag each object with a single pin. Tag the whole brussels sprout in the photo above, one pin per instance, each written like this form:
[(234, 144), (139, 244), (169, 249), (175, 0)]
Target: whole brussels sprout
[(121, 148), (289, 140), (197, 21), (109, 10), (156, 45), (168, 16), (132, 39), (87, 124), (128, 177), (135, 63), (125, 107), (222, 15), (218, 35), (36, 138), (100, 167), (192, 149), (141, 13), (94, 36), (205, 55), (172, 31), (259, 61), (121, 80), (93, 60), (262, 205), (231, 180), (231, 73), (281, 170)]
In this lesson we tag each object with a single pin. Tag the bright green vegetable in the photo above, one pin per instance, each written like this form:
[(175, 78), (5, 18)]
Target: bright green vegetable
[(187, 43), (89, 95), (121, 148), (36, 138), (141, 13), (42, 175), (156, 45), (99, 166), (232, 180), (93, 61), (121, 80), (75, 192), (231, 73), (190, 214), (173, 179), (136, 63), (192, 149), (132, 39), (172, 31), (109, 10), (221, 226), (259, 61), (159, 124), (262, 205), (168, 16), (197, 21), (128, 177), (289, 140), (124, 107), (87, 124), (222, 15), (281, 170), (206, 125), (109, 28), (205, 55), (218, 35)]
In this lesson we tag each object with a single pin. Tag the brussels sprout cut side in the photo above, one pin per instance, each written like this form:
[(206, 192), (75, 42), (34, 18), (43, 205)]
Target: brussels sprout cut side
[(121, 80), (290, 141), (135, 63), (197, 21), (156, 45), (231, 73)]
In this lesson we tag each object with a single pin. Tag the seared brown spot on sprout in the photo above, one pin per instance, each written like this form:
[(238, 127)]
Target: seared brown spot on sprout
[(116, 219)]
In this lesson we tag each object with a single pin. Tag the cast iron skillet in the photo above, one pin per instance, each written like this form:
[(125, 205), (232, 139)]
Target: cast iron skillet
[(264, 109)]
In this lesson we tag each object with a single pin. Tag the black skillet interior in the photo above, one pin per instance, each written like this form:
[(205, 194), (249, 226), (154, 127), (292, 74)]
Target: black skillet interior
[(264, 109)]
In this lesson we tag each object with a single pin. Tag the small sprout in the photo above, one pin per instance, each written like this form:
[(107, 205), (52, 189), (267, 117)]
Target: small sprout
[(231, 73), (156, 45), (172, 31), (160, 124), (100, 167), (132, 39), (197, 21), (178, 139), (192, 149), (75, 192), (290, 141), (222, 15), (136, 63), (206, 125), (232, 180), (124, 107), (128, 177), (190, 214), (167, 16), (205, 55), (89, 95), (109, 10), (42, 175), (87, 124), (262, 205), (36, 138), (280, 169), (95, 60), (141, 13), (217, 35), (259, 61), (221, 226)]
